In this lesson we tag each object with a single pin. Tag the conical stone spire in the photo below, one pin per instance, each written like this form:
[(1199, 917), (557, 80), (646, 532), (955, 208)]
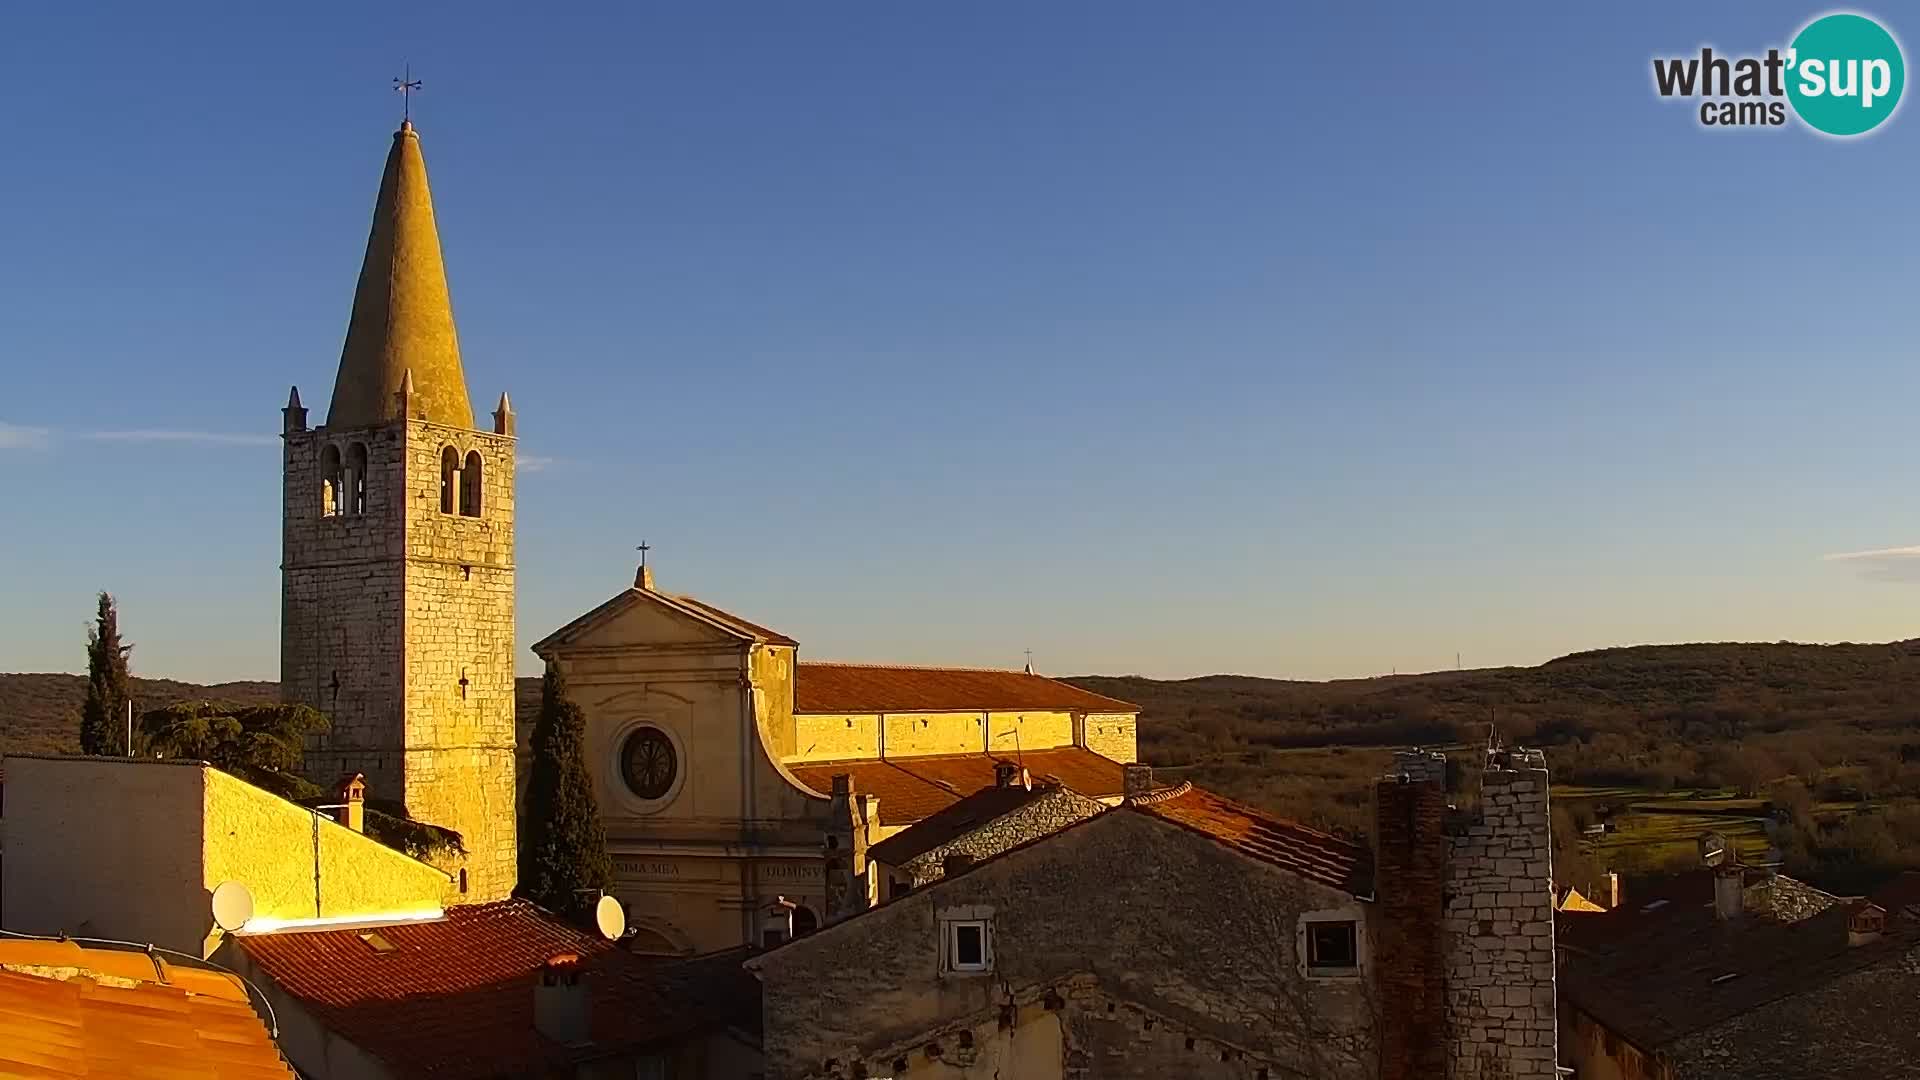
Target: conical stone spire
[(402, 316)]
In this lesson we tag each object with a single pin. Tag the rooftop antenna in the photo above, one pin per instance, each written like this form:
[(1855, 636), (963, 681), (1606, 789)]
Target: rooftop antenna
[(405, 86)]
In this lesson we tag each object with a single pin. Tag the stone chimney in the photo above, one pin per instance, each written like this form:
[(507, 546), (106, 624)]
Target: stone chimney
[(1410, 870), (1501, 1007), (351, 794), (1005, 774), (851, 818), (1136, 780), (1614, 895), (562, 1010), (1729, 892)]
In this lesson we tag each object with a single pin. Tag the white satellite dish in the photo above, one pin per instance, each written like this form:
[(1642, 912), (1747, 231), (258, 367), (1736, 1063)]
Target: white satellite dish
[(610, 917), (232, 906)]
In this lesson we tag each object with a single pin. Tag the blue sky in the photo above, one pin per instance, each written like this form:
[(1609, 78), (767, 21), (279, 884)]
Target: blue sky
[(1154, 338)]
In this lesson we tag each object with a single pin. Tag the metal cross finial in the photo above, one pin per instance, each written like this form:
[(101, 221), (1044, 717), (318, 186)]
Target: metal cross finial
[(643, 549), (406, 85)]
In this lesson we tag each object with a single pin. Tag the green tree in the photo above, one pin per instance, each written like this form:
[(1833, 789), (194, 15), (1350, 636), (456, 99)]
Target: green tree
[(563, 846), (263, 744), (104, 716), (260, 744)]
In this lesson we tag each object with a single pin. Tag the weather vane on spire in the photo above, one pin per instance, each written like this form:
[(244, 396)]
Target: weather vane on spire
[(406, 85)]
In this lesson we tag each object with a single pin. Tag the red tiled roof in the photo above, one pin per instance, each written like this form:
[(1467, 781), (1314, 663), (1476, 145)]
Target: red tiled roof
[(1663, 965), (1293, 847), (912, 788), (863, 688), (201, 1025), (454, 997)]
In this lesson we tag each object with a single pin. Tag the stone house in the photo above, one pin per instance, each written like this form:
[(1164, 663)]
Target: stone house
[(1011, 812), (1182, 933), (1734, 972)]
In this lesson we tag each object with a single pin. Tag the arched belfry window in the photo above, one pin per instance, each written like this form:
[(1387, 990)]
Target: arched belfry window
[(331, 500), (356, 480), (449, 478), (470, 485)]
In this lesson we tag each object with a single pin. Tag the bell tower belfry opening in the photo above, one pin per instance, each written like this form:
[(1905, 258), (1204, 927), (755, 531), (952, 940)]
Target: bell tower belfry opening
[(397, 572)]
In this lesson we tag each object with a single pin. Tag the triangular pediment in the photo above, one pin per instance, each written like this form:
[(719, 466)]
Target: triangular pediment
[(638, 619)]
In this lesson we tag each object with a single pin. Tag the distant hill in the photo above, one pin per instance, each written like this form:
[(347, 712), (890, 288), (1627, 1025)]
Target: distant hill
[(40, 714), (1656, 716)]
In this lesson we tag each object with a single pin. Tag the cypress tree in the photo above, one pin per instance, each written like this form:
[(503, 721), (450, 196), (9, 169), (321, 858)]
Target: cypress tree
[(103, 719), (563, 846)]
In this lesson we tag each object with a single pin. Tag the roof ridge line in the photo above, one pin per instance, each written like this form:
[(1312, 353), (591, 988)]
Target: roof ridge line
[(881, 665), (1162, 795)]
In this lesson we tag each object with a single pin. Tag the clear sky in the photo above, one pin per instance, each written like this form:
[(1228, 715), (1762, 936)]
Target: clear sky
[(1164, 338)]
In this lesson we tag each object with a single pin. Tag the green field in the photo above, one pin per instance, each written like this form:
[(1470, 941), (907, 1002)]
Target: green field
[(1651, 831)]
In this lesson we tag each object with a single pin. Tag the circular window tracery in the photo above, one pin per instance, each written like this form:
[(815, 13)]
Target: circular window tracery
[(648, 763)]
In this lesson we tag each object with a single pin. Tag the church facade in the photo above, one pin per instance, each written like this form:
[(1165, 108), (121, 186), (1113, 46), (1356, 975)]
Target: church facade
[(397, 571), (737, 781)]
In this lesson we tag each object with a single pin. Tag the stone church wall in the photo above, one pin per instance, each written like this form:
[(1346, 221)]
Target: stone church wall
[(1112, 735)]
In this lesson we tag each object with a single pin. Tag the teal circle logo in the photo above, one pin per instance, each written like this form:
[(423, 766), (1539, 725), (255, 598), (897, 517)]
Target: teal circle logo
[(1845, 74)]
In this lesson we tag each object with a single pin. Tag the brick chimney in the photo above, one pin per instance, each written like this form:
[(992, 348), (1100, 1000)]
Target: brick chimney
[(1136, 780), (1410, 871), (351, 794), (562, 1010)]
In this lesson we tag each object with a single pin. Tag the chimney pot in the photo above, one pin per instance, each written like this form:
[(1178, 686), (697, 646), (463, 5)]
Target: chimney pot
[(1729, 892), (1005, 773), (1136, 780), (842, 784)]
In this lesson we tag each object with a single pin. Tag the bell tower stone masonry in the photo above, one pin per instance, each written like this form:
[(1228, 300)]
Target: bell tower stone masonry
[(397, 571)]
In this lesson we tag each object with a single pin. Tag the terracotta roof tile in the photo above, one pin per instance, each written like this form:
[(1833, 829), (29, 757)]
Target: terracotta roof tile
[(914, 788), (200, 1026), (1312, 854), (454, 997), (863, 688)]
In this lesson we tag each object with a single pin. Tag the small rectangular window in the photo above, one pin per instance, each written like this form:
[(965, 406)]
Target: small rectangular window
[(1332, 946), (967, 948)]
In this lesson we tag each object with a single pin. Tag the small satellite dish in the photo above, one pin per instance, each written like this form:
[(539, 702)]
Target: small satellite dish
[(232, 906), (1026, 779), (610, 917)]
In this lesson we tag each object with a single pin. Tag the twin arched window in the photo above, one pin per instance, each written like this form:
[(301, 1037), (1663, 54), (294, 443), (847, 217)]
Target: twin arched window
[(343, 484), (460, 483)]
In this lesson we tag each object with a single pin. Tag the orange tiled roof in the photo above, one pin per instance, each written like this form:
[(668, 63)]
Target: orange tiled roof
[(863, 688), (751, 629), (454, 997), (199, 1024), (1293, 847), (912, 788)]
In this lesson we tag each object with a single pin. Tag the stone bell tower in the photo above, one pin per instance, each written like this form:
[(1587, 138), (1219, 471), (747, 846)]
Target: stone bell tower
[(397, 553)]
